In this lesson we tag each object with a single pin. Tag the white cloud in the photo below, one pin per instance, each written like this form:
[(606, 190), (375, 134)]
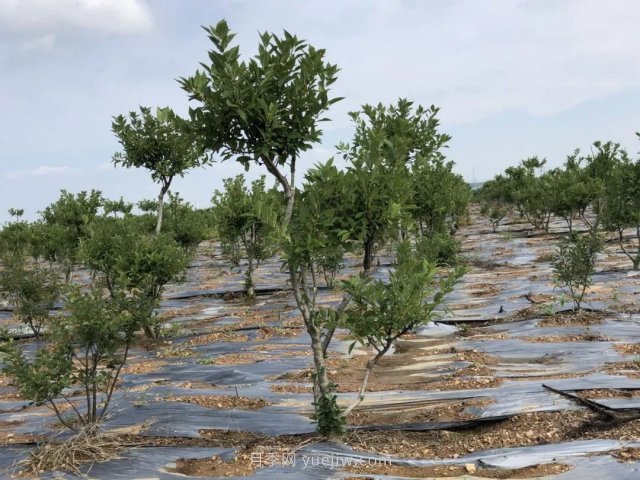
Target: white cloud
[(42, 171), (105, 167), (43, 43), (110, 16), (474, 59)]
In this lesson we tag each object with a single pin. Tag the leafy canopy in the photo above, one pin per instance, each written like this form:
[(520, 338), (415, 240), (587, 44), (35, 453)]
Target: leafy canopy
[(380, 312), (246, 220), (159, 143), (266, 107), (574, 264)]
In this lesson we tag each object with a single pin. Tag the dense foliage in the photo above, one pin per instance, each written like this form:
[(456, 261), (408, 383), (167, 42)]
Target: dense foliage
[(88, 348), (397, 190), (246, 221), (574, 264), (159, 143), (264, 110), (599, 190)]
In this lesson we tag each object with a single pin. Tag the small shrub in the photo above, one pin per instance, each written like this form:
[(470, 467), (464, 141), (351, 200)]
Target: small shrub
[(381, 312), (330, 261), (574, 264), (89, 346), (32, 292), (133, 262), (440, 249), (175, 351), (329, 417)]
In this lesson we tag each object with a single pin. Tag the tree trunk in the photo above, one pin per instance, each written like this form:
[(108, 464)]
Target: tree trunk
[(634, 260), (249, 285), (149, 331), (321, 384), (163, 191), (286, 186), (368, 255), (35, 329), (365, 381)]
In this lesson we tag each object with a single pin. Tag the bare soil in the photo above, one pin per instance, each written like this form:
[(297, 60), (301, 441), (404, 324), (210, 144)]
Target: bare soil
[(567, 338), (526, 429), (582, 317), (222, 402), (450, 471), (522, 430), (628, 348), (427, 412)]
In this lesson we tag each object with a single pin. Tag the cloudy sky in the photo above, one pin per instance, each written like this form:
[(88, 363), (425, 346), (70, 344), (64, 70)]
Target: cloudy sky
[(513, 78)]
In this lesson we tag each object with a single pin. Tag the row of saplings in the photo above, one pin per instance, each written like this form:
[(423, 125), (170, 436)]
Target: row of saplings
[(601, 189), (397, 188)]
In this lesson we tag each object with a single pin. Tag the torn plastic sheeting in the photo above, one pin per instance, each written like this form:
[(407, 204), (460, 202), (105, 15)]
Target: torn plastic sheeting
[(530, 328), (222, 292), (541, 454), (316, 472), (12, 406), (622, 328), (618, 403), (429, 426), (576, 356), (151, 463), (436, 330), (228, 320), (241, 374), (194, 373), (29, 421), (525, 456), (176, 419), (304, 467), (602, 467), (528, 396), (435, 369), (9, 457), (593, 382)]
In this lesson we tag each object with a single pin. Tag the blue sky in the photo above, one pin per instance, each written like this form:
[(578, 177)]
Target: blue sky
[(512, 78)]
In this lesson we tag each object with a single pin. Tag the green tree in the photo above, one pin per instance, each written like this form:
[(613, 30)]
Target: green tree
[(89, 346), (16, 236), (531, 191), (115, 207), (64, 224), (159, 143), (496, 199), (264, 110), (31, 290), (621, 206), (126, 260), (569, 190), (314, 230), (185, 224), (379, 195), (574, 264), (381, 312), (246, 221), (440, 249), (440, 196), (599, 166)]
